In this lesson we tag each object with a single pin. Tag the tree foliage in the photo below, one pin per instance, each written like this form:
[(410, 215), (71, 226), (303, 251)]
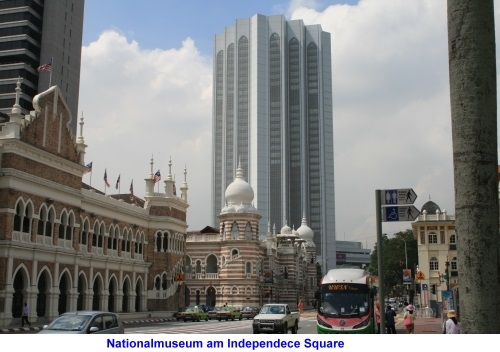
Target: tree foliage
[(394, 259)]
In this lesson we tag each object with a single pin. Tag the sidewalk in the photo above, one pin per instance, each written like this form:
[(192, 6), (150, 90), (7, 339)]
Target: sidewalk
[(422, 325)]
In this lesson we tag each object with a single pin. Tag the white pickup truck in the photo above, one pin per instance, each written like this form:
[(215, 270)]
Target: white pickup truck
[(276, 318)]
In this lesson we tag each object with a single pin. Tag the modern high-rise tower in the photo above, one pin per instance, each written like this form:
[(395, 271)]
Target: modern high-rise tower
[(272, 111), (34, 33)]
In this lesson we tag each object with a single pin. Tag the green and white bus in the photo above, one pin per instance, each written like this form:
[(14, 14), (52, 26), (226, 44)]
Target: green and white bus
[(346, 303)]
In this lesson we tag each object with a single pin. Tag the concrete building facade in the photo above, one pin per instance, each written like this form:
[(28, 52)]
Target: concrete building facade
[(272, 112), (32, 33)]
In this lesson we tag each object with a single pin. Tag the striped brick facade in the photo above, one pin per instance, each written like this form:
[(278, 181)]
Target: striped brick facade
[(65, 246)]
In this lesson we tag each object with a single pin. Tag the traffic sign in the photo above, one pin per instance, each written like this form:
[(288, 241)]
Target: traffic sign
[(425, 287), (402, 213), (398, 196)]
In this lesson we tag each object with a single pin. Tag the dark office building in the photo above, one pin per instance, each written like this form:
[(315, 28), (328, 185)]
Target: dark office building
[(35, 33)]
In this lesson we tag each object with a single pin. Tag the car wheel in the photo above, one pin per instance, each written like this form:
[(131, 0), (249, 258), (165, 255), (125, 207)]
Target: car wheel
[(241, 317), (285, 329), (206, 318), (295, 328), (185, 320), (219, 319), (232, 318)]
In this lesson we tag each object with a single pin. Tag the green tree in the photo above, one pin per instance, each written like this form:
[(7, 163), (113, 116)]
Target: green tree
[(394, 260), (473, 94)]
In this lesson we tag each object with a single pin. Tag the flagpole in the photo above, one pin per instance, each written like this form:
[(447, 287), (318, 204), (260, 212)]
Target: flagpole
[(50, 76)]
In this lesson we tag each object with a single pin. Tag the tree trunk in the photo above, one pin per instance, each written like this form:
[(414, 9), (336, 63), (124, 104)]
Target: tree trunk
[(471, 49)]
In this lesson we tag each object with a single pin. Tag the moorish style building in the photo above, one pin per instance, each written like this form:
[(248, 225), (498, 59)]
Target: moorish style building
[(65, 246), (233, 265)]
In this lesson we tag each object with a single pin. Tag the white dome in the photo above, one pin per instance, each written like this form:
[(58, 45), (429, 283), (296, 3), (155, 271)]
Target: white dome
[(305, 232), (239, 191), (286, 230)]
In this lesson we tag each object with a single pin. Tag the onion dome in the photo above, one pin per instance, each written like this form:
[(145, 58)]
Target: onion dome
[(306, 233)]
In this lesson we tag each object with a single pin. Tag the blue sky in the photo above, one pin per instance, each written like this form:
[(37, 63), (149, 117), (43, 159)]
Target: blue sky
[(166, 23), (146, 91)]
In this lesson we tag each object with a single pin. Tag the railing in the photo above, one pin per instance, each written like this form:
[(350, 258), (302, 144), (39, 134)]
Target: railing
[(211, 276)]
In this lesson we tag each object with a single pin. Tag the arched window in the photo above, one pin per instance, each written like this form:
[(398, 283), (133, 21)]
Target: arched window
[(248, 268), (433, 264), (248, 232), (164, 281), (234, 231), (453, 239), (158, 242), (17, 218)]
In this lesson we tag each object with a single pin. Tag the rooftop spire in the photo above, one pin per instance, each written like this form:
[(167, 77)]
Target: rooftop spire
[(16, 109)]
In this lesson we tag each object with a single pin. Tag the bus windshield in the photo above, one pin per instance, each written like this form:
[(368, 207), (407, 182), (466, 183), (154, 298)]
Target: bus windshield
[(344, 304)]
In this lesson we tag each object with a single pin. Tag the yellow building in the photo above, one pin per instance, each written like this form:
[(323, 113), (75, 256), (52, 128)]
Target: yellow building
[(434, 230)]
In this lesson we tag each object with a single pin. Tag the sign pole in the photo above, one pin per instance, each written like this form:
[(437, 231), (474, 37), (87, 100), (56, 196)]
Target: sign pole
[(378, 212)]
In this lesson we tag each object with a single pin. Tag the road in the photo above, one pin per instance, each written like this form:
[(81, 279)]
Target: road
[(307, 325)]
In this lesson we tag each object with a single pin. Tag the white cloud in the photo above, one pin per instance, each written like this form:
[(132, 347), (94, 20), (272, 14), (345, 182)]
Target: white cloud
[(139, 103), (392, 124)]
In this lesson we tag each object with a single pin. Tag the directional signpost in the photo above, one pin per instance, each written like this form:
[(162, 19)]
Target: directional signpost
[(392, 205)]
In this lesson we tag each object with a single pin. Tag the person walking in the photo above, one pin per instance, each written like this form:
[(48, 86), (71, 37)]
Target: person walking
[(451, 325), (301, 307), (377, 317), (390, 322), (26, 313), (409, 319)]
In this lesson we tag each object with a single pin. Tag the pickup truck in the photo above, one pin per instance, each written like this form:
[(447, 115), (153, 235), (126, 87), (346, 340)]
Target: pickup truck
[(276, 318)]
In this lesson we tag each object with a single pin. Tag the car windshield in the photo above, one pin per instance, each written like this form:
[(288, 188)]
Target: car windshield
[(69, 323), (247, 309), (273, 310), (190, 309)]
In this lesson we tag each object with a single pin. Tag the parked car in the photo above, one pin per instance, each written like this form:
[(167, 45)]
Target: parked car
[(249, 312), (195, 314), (180, 313), (213, 313), (85, 322), (229, 313)]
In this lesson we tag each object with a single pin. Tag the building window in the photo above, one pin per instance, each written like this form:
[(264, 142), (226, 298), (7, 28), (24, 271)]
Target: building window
[(234, 232), (453, 239), (248, 232), (433, 264), (454, 265), (248, 268), (432, 238), (422, 237)]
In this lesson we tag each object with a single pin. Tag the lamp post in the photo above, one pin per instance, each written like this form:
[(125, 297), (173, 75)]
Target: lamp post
[(447, 274)]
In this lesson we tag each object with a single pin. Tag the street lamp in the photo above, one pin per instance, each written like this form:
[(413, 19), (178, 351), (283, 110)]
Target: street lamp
[(406, 253)]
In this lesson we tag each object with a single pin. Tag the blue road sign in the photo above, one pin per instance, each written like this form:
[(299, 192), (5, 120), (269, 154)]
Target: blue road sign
[(425, 287), (401, 213)]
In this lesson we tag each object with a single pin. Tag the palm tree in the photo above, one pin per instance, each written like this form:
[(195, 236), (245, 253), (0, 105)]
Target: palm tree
[(471, 49)]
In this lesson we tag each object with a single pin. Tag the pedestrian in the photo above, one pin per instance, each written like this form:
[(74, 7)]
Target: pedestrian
[(26, 313), (377, 317), (451, 325), (409, 319), (301, 307), (390, 322)]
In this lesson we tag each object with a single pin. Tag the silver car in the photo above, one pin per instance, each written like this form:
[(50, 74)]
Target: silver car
[(85, 322)]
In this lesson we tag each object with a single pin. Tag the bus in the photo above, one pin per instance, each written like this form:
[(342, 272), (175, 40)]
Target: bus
[(345, 303)]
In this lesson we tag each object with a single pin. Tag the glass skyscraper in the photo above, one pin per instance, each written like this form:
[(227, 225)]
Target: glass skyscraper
[(272, 112), (34, 33)]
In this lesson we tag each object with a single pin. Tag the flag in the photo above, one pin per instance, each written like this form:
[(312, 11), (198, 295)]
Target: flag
[(175, 191), (46, 67), (88, 168), (132, 191), (117, 182), (157, 176), (106, 177)]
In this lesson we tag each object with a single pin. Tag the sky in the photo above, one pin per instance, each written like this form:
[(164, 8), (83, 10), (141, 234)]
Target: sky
[(146, 92)]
